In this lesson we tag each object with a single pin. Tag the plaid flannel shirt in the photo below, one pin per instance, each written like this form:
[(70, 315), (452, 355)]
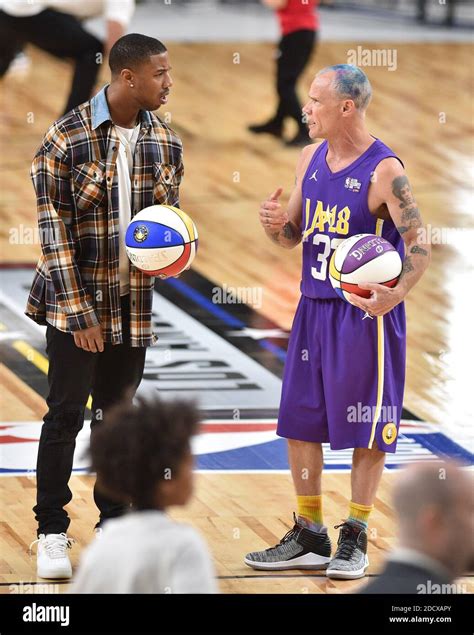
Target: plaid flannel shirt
[(74, 173)]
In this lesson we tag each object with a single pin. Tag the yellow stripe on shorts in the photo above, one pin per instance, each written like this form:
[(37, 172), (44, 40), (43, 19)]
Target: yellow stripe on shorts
[(380, 358), (380, 377)]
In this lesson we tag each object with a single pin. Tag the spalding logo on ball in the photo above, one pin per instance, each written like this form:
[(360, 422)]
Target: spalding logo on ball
[(161, 240), (363, 258)]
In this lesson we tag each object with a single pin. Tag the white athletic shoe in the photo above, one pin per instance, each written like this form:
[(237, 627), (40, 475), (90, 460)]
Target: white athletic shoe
[(20, 65), (52, 560)]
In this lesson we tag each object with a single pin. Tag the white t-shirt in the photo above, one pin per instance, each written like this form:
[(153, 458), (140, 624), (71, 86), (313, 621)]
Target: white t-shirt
[(128, 140), (117, 10), (146, 552)]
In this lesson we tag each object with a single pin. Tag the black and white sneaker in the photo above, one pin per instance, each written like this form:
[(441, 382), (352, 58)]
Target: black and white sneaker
[(300, 548), (350, 560)]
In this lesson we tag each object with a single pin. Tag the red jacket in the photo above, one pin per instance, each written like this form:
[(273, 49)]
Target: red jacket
[(298, 15)]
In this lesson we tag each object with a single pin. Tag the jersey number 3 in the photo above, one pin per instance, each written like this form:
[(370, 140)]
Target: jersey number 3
[(329, 244)]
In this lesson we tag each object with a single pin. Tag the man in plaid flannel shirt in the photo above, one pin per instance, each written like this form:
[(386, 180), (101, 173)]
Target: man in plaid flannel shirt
[(97, 166)]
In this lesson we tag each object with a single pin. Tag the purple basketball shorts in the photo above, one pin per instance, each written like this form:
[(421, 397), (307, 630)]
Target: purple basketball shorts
[(344, 376)]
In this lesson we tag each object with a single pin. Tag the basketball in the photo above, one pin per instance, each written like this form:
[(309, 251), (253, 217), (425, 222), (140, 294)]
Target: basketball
[(363, 258), (161, 240)]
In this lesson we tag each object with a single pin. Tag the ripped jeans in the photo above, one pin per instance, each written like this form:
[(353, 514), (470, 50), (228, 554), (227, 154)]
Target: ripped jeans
[(73, 375)]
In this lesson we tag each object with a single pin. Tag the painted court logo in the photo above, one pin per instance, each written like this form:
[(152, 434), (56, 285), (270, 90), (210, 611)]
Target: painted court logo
[(238, 395)]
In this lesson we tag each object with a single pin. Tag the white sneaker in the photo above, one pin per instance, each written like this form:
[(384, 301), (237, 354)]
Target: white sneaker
[(52, 560), (20, 65)]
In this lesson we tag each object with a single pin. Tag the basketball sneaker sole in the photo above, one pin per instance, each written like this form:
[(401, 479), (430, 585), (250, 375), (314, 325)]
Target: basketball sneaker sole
[(308, 561), (336, 574)]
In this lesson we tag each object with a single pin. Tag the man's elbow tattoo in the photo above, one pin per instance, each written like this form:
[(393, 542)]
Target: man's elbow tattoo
[(418, 250)]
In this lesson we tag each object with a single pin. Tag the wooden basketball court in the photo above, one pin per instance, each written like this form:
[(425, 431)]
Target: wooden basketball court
[(420, 111)]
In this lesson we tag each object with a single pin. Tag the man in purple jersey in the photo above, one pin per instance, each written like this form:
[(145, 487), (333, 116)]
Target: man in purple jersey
[(345, 370)]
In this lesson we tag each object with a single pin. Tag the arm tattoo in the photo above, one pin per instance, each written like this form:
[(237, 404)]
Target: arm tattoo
[(407, 267), (418, 250), (410, 214), (275, 237), (288, 231), (401, 189)]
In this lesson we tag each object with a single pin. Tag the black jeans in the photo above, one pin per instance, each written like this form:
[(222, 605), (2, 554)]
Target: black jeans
[(295, 50), (74, 374), (60, 34)]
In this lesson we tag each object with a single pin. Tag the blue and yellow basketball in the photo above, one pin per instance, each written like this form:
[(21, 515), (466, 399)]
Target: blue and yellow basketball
[(161, 240)]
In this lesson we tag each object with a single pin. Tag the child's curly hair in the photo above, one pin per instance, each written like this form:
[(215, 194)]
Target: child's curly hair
[(137, 446)]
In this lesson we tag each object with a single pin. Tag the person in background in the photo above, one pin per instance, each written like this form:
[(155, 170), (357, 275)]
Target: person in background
[(299, 23), (142, 457), (435, 508), (55, 26)]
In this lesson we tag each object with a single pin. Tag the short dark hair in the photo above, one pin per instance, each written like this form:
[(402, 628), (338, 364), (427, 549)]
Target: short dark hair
[(138, 446), (132, 50)]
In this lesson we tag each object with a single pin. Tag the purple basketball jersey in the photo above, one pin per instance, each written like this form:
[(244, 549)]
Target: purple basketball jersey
[(339, 364), (334, 208)]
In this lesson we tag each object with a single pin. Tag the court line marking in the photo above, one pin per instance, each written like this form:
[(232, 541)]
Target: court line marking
[(198, 298), (22, 582), (222, 577), (15, 308)]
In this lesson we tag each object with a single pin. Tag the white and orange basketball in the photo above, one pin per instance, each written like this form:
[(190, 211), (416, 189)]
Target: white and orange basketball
[(363, 258), (161, 240)]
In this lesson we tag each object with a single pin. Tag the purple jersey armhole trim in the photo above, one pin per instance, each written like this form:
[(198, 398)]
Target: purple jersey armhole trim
[(366, 193), (310, 166), (316, 153)]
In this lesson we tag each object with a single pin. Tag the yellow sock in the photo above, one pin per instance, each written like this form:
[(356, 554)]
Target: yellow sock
[(311, 508), (360, 513)]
